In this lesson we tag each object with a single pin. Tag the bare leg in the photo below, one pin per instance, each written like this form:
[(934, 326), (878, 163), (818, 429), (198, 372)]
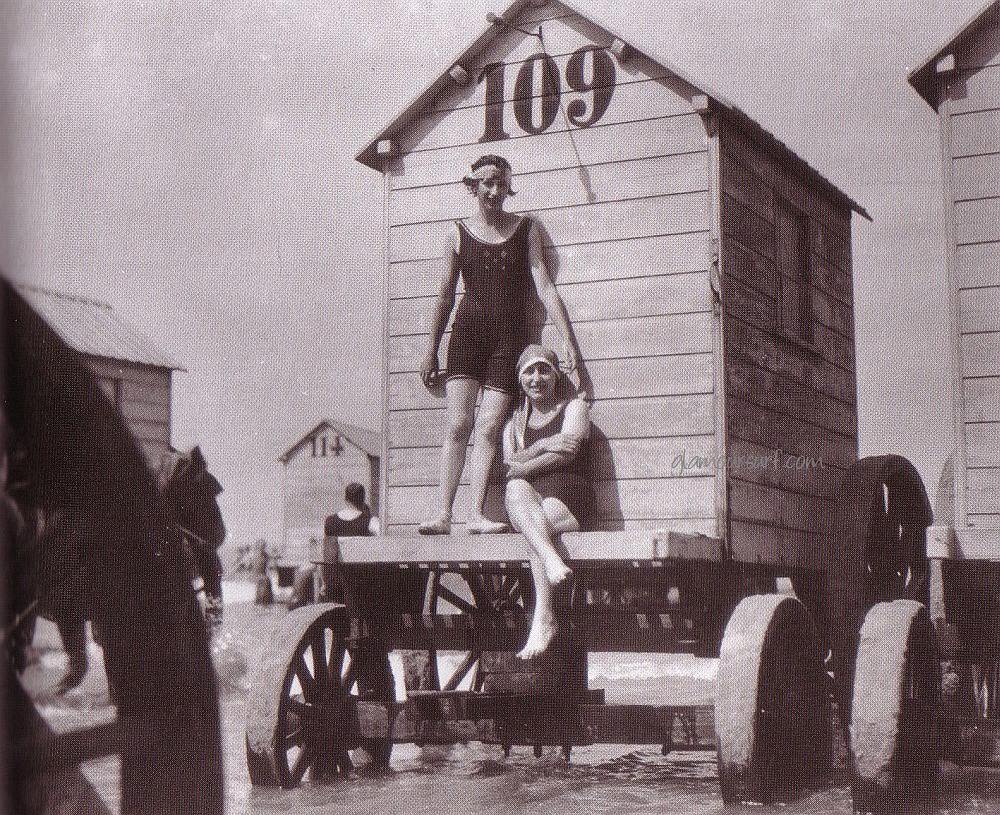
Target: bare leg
[(538, 520), (461, 397), (493, 411)]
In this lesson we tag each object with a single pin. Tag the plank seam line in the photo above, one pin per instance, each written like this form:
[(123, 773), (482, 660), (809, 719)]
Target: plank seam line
[(581, 282), (581, 243), (986, 154), (977, 243), (974, 200), (839, 367), (961, 113), (850, 275), (595, 481), (599, 401), (980, 332), (966, 288), (434, 112), (586, 322), (560, 169), (753, 290), (566, 206), (847, 436), (564, 130), (821, 496), (630, 438)]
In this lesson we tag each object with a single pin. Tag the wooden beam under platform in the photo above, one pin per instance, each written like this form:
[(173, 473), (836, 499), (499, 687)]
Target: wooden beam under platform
[(673, 630), (624, 547), (543, 721)]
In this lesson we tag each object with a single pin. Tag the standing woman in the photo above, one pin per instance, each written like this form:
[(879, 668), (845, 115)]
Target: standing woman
[(499, 257)]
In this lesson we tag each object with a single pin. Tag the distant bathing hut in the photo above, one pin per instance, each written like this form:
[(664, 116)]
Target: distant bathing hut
[(705, 267), (133, 373), (316, 469), (961, 81)]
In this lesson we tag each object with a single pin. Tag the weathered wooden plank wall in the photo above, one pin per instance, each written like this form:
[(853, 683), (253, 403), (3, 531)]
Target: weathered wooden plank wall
[(790, 397), (142, 395), (970, 110), (627, 240)]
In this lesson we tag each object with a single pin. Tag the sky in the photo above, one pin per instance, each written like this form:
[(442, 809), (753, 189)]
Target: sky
[(192, 163)]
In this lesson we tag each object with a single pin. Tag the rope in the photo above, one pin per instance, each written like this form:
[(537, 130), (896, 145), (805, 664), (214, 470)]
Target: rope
[(569, 128)]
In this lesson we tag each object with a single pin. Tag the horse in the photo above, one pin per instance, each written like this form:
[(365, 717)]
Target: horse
[(51, 578), (191, 494)]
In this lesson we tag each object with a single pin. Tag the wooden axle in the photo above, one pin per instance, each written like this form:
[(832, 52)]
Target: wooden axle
[(674, 630), (530, 722)]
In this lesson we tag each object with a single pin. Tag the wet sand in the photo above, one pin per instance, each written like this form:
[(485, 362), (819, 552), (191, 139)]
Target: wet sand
[(471, 778)]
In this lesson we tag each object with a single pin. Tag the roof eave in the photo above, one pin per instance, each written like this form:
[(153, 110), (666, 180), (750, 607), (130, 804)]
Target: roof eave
[(772, 142), (922, 77), (368, 155)]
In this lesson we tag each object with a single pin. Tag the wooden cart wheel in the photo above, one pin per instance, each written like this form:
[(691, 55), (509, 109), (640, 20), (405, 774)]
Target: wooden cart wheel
[(302, 713), (877, 553), (772, 709), (894, 718)]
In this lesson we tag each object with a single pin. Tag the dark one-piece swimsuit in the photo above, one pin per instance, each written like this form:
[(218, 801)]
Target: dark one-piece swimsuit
[(569, 483), (489, 330)]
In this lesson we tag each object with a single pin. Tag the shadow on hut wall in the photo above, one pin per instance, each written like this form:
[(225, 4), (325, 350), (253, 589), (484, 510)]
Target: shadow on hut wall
[(987, 55), (600, 464)]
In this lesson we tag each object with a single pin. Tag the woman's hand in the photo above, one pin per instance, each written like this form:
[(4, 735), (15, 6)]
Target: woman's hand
[(514, 470), (563, 443), (570, 359), (429, 371)]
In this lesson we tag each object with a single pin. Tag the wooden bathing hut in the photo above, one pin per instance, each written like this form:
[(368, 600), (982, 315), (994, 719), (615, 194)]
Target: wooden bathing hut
[(133, 373), (315, 471), (706, 270), (961, 81)]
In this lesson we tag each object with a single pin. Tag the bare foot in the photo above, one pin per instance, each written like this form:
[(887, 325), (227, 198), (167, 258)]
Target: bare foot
[(557, 571), (439, 526), (484, 526), (539, 637)]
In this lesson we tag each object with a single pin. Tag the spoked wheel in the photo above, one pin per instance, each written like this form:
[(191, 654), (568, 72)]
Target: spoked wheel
[(508, 592), (772, 708), (878, 553), (303, 711), (894, 717)]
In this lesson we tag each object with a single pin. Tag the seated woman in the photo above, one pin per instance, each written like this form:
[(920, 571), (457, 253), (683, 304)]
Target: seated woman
[(548, 491)]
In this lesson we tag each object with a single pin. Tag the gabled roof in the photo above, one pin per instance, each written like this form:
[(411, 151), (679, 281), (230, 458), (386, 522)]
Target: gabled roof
[(718, 103), (923, 78), (366, 440), (92, 327)]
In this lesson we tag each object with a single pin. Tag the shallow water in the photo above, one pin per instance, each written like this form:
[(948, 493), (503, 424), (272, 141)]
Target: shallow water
[(476, 778)]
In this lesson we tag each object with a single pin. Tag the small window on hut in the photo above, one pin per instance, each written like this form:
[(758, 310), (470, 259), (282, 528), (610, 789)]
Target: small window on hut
[(795, 273)]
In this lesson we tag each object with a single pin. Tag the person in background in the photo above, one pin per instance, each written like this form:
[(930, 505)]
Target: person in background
[(355, 518), (548, 489)]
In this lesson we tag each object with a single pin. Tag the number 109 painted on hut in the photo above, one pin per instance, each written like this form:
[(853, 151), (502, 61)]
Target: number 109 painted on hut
[(546, 101)]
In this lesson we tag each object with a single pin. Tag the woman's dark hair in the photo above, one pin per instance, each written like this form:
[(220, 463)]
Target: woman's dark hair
[(488, 160), (354, 494)]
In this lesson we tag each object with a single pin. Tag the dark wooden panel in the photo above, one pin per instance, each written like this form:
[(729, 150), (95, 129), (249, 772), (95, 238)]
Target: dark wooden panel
[(773, 430)]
